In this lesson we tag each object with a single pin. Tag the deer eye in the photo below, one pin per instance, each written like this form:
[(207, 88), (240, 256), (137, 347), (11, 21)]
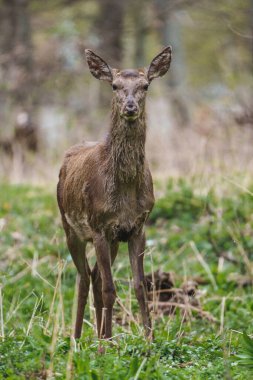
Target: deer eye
[(145, 87), (114, 87)]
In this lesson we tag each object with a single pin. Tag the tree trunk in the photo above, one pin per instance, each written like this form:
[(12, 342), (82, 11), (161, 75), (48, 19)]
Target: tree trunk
[(109, 26), (138, 9), (17, 69), (169, 30)]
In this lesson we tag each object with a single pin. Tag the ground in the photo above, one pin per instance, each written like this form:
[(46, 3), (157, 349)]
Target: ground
[(197, 233)]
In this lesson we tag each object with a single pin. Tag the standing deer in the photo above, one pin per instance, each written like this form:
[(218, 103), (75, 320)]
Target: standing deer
[(105, 192)]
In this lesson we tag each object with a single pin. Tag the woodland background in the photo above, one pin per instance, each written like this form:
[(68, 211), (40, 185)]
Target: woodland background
[(200, 114)]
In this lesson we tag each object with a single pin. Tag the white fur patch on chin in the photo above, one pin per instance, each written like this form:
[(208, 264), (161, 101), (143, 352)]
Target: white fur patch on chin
[(130, 118)]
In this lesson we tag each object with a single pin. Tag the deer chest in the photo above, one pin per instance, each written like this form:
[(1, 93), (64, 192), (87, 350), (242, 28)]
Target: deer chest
[(122, 226), (124, 215), (121, 223), (117, 217)]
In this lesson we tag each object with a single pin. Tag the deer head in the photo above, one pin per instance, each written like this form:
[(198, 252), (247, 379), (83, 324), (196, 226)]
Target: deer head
[(129, 86)]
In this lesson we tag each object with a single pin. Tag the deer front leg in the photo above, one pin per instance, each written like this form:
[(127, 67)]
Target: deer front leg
[(97, 290), (103, 256), (136, 246)]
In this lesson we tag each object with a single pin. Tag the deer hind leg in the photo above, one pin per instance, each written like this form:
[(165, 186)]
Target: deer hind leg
[(103, 255), (97, 291), (98, 300), (77, 250), (136, 246)]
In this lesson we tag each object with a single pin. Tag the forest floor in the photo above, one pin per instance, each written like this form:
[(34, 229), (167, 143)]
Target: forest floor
[(200, 235)]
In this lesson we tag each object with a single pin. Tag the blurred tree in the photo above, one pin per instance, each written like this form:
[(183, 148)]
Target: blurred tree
[(169, 29), (109, 26), (138, 13), (219, 33), (16, 48), (17, 68)]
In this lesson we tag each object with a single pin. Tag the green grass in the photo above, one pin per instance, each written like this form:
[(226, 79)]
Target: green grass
[(191, 233)]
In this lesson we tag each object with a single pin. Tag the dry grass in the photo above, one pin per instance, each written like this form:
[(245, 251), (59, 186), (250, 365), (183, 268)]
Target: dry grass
[(211, 147)]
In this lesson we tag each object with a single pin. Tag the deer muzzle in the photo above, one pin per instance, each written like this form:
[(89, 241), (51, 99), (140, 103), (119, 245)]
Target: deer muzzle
[(130, 110)]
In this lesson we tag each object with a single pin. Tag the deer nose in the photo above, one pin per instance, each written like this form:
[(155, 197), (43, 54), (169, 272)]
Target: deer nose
[(131, 107)]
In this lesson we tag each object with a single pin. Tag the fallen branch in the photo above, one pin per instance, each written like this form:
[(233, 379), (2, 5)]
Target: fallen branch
[(202, 313)]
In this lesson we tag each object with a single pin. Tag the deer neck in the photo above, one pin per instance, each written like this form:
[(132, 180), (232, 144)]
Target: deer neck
[(126, 147)]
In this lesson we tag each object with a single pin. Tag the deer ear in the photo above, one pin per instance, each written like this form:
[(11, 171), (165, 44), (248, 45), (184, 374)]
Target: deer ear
[(160, 64), (98, 67)]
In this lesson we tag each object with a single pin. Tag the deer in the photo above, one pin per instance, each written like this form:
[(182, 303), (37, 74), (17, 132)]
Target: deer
[(105, 193)]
